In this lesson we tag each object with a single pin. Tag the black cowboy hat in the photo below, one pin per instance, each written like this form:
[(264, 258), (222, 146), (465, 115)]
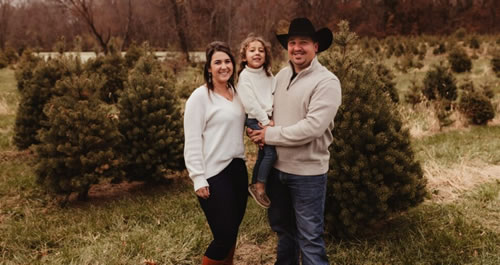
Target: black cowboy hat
[(304, 27)]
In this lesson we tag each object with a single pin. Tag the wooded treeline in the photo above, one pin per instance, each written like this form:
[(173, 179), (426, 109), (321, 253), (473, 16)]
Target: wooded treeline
[(191, 24)]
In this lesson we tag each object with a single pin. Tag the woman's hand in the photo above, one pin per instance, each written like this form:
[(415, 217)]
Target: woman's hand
[(203, 192)]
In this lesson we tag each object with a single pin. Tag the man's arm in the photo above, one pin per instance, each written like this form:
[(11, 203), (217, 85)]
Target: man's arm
[(323, 107)]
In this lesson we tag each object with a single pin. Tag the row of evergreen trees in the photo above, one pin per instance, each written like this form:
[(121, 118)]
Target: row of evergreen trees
[(111, 117)]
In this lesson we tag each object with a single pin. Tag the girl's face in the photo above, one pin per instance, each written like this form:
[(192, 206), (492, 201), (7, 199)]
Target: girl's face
[(221, 67), (255, 54)]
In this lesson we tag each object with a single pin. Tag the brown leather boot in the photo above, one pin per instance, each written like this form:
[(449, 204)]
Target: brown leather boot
[(208, 261), (230, 257)]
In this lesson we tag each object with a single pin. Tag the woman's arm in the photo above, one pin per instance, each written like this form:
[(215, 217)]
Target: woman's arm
[(194, 125)]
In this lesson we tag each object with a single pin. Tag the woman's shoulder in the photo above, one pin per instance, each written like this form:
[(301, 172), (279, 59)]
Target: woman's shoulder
[(199, 94)]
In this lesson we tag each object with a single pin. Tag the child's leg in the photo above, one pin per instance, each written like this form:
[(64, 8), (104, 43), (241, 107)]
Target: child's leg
[(254, 125), (267, 163)]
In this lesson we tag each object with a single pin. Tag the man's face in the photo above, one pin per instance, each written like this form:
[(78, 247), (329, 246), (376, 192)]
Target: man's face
[(301, 51)]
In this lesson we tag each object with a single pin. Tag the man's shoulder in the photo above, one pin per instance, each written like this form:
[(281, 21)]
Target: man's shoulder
[(284, 72), (325, 73)]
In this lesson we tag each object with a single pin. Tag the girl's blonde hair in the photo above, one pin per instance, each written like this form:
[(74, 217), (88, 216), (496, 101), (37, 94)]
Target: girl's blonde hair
[(243, 50)]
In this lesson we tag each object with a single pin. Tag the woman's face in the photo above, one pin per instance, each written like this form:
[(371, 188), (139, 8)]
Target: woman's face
[(221, 67)]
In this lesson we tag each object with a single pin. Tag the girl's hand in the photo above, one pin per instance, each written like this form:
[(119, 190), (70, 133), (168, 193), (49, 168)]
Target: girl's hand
[(271, 123), (203, 192)]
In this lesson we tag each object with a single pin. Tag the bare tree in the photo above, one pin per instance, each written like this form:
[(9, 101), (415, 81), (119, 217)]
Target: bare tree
[(87, 10), (5, 13), (180, 15)]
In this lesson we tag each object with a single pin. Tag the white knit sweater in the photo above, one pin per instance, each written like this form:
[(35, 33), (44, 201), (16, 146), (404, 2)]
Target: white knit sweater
[(256, 92), (213, 131)]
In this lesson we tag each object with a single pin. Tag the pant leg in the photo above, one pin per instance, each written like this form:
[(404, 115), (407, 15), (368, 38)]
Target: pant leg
[(265, 157), (308, 198), (282, 220), (225, 208)]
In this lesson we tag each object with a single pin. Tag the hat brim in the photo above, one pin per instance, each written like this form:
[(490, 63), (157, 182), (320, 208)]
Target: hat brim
[(324, 37)]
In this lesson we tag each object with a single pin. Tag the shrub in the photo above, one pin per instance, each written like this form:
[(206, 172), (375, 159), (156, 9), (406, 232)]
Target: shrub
[(112, 66), (443, 110), (373, 172), (387, 78), (151, 123), (440, 49), (78, 141), (24, 69), (36, 92), (474, 42), (476, 104), (495, 62), (459, 60), (460, 33), (440, 83), (414, 95), (133, 54), (4, 61)]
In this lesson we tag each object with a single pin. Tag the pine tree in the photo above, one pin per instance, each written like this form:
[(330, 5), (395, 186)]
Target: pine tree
[(439, 83), (151, 122), (36, 90), (78, 139), (459, 60), (24, 70), (112, 66), (373, 172)]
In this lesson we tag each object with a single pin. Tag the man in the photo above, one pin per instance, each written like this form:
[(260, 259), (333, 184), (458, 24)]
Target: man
[(306, 99)]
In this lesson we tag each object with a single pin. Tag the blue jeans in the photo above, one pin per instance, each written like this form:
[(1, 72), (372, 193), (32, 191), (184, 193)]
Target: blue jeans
[(297, 216), (265, 157)]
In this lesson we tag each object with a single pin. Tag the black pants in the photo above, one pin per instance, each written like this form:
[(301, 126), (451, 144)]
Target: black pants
[(225, 207)]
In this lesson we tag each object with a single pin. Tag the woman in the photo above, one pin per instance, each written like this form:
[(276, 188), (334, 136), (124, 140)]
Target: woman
[(213, 126)]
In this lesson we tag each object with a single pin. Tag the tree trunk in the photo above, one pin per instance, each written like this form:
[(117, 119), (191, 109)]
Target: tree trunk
[(179, 25)]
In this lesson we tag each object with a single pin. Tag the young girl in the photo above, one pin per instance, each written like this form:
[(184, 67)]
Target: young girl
[(255, 87)]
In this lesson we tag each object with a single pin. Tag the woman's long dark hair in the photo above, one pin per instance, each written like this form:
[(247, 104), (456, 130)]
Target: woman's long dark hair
[(217, 46)]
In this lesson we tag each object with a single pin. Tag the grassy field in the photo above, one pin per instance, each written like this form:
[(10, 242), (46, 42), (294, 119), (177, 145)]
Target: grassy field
[(131, 223)]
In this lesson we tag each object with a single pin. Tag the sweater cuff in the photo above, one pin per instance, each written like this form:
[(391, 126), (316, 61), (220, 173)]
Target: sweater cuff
[(199, 182), (272, 135), (265, 121)]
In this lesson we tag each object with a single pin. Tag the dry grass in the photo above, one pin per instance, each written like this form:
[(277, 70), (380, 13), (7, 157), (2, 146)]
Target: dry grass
[(448, 183)]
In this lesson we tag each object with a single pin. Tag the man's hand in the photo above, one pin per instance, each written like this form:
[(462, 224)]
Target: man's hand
[(203, 192), (257, 136)]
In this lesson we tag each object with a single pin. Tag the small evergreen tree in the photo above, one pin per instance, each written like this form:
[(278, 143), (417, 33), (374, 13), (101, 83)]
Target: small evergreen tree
[(387, 78), (459, 60), (36, 91), (373, 172), (112, 66), (78, 141), (414, 95), (151, 123), (133, 54), (476, 104), (24, 69), (440, 49), (495, 62), (440, 83), (4, 61)]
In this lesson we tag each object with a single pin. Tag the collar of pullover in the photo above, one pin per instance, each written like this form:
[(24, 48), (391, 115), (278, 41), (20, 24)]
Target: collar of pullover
[(254, 70), (308, 69)]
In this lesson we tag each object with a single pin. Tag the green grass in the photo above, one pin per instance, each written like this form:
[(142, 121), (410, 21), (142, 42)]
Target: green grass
[(480, 143), (165, 224), (8, 103)]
